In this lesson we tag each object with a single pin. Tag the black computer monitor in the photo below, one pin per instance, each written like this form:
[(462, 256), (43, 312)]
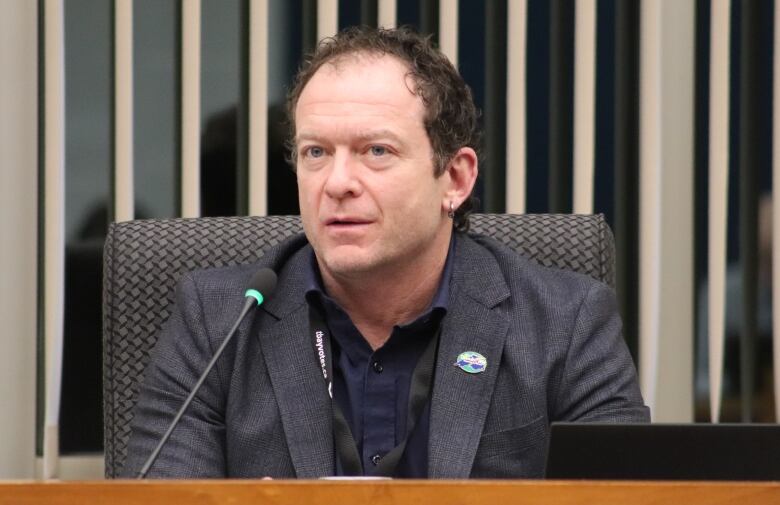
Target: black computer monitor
[(664, 451)]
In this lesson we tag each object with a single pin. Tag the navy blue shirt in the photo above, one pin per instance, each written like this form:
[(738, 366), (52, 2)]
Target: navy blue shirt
[(372, 387)]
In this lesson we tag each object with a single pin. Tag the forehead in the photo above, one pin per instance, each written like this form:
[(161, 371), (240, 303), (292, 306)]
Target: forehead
[(360, 84)]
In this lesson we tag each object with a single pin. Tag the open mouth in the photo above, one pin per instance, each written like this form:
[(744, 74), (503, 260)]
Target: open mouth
[(346, 222), (346, 225)]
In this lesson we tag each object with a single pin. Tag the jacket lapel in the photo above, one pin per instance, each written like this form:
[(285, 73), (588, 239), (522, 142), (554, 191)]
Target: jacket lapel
[(300, 391), (461, 400)]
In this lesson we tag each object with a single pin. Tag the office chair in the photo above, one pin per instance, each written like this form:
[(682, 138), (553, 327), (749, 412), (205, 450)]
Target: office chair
[(144, 259)]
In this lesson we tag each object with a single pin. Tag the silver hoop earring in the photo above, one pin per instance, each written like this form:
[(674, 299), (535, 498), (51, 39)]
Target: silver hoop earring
[(451, 213)]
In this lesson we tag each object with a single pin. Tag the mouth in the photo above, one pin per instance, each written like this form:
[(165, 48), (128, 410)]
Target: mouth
[(346, 222), (347, 226)]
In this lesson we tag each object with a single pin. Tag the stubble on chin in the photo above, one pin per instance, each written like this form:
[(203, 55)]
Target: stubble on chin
[(345, 264)]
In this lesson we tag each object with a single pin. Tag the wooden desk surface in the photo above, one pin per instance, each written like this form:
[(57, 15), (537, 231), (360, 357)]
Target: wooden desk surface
[(410, 492)]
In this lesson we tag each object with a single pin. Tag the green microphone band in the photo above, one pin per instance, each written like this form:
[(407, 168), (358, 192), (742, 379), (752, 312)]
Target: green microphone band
[(254, 294)]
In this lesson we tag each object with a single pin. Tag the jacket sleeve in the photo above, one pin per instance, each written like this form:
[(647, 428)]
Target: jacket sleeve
[(196, 446), (599, 380)]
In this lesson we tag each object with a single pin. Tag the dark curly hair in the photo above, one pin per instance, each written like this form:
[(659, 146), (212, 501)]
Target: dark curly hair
[(451, 118)]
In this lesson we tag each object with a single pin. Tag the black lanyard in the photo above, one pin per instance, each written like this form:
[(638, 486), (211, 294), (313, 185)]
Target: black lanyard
[(419, 393)]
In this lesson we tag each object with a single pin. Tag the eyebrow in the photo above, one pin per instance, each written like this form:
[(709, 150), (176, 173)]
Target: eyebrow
[(364, 136), (377, 134)]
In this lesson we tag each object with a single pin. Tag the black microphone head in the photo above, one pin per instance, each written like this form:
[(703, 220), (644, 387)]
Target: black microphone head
[(263, 284)]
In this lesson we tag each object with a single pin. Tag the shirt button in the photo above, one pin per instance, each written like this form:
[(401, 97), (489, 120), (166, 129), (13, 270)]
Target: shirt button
[(377, 366), (375, 459)]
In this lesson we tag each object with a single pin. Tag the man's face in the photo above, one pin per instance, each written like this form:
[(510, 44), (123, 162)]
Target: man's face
[(369, 199)]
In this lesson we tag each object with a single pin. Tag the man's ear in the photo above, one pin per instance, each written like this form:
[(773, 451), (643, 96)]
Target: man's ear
[(461, 172)]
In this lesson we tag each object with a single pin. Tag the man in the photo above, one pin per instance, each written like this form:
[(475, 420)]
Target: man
[(446, 355)]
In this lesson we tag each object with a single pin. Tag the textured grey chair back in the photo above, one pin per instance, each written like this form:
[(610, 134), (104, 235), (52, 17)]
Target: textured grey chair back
[(144, 259)]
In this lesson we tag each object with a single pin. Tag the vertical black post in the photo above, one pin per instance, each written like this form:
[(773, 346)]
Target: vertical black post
[(429, 18), (177, 84), (627, 165), (701, 196), (40, 345), (749, 158), (494, 140), (309, 28), (112, 115), (368, 12), (242, 116), (561, 104)]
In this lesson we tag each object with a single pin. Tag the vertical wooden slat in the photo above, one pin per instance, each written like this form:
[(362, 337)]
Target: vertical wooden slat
[(666, 248), (650, 199), (258, 107), (719, 166), (776, 213), (584, 105), (515, 116), (21, 138), (448, 29), (327, 18), (387, 13), (54, 226), (190, 108), (123, 110)]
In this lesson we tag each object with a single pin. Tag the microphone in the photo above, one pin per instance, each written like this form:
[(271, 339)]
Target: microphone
[(260, 287)]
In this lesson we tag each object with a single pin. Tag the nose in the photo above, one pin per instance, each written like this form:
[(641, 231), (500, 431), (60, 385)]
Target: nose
[(342, 180)]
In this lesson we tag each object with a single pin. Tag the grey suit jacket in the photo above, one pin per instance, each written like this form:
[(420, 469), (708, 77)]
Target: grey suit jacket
[(552, 340)]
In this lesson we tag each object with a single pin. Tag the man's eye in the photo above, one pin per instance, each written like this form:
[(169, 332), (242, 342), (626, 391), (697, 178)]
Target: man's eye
[(378, 150), (315, 152)]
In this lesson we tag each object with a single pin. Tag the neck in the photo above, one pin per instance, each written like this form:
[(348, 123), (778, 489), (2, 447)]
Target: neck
[(380, 299)]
